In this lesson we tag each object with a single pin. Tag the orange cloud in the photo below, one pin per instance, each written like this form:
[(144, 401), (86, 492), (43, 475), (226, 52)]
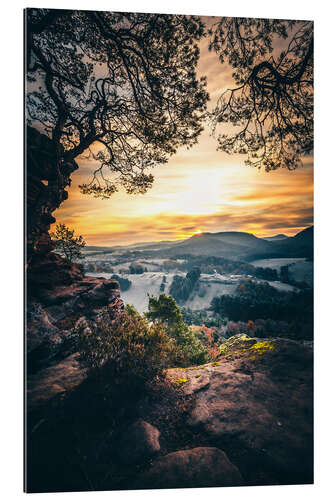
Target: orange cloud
[(198, 189)]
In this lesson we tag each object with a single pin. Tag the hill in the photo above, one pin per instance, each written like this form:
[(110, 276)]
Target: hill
[(277, 237), (229, 245), (225, 244), (300, 245)]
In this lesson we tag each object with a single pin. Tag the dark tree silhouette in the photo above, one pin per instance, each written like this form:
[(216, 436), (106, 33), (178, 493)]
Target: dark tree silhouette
[(272, 101), (121, 87), (67, 243)]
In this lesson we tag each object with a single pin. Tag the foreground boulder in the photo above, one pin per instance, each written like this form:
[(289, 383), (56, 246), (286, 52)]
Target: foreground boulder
[(257, 401), (196, 468), (139, 442)]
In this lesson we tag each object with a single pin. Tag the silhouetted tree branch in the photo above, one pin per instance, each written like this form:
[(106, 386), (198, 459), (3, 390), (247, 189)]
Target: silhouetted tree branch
[(271, 104), (119, 87)]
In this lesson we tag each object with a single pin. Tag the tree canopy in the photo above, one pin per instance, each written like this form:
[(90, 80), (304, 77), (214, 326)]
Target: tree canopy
[(164, 309), (120, 87), (189, 349), (271, 103)]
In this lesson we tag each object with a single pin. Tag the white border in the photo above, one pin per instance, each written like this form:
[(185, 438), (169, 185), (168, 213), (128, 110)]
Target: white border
[(12, 242)]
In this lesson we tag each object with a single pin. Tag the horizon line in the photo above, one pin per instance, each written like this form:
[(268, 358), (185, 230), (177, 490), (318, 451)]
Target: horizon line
[(199, 234)]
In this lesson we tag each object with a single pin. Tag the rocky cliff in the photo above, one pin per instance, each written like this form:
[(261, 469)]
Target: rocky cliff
[(59, 296)]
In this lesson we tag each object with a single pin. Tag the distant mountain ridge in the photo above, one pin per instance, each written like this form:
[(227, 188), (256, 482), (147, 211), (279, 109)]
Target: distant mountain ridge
[(225, 244), (228, 244), (300, 245), (245, 246)]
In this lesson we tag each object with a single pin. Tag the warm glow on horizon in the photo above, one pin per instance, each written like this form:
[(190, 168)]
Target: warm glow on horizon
[(198, 188), (181, 237)]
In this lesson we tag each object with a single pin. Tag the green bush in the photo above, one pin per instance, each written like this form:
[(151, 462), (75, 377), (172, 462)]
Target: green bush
[(188, 349), (191, 350)]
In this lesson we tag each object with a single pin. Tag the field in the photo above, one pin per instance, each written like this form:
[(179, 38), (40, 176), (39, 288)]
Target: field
[(209, 286), (300, 268)]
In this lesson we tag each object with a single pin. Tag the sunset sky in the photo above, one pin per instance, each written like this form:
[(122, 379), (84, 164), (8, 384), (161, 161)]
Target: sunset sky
[(199, 189)]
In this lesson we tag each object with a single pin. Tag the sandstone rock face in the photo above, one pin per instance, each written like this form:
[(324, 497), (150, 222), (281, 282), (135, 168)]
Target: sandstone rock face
[(46, 179), (52, 315), (60, 298), (40, 326), (139, 442), (259, 404), (196, 468), (54, 380), (49, 271), (58, 294)]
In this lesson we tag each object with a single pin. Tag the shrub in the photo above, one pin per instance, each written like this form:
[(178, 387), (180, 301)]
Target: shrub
[(129, 353), (190, 350), (209, 338)]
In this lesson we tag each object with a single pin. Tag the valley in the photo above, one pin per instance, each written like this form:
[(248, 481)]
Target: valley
[(150, 269)]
